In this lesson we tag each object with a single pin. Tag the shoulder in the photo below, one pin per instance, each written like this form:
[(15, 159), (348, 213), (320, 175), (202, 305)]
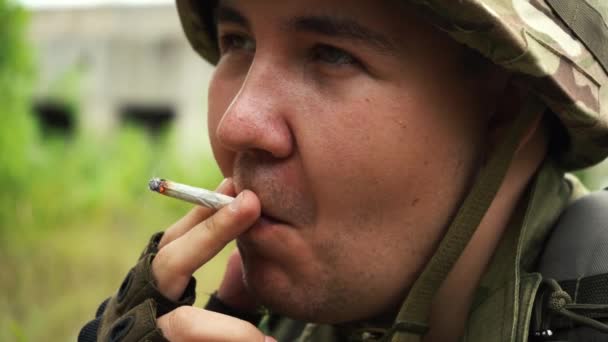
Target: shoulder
[(575, 257), (578, 244)]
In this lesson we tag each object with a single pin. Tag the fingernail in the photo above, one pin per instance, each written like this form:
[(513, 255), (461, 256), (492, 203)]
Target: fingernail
[(234, 205), (269, 339)]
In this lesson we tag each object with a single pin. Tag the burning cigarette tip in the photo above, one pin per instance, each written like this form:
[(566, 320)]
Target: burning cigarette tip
[(157, 184)]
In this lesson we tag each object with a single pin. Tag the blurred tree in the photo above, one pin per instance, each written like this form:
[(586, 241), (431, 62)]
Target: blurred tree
[(17, 128)]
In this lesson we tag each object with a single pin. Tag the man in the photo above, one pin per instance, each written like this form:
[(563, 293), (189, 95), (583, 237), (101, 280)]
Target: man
[(392, 183)]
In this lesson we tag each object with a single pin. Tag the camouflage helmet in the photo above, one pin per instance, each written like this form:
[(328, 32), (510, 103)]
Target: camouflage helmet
[(559, 47)]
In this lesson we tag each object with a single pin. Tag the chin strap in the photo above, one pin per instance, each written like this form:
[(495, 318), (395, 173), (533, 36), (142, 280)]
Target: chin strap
[(412, 321)]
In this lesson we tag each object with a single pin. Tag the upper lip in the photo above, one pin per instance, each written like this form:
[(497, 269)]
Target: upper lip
[(267, 210)]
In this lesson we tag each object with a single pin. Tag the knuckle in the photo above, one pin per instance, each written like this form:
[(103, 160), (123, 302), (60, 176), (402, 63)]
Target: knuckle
[(200, 213), (162, 260), (247, 332), (211, 224), (169, 236), (215, 225), (179, 323), (167, 263)]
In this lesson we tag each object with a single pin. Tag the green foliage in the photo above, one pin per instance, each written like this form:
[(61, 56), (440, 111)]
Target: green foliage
[(17, 130), (84, 216), (74, 212)]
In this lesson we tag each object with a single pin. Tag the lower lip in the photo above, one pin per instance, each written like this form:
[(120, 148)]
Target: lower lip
[(265, 228), (270, 239), (265, 222)]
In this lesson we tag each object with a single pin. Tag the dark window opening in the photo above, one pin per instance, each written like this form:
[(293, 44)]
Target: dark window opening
[(54, 117), (154, 119)]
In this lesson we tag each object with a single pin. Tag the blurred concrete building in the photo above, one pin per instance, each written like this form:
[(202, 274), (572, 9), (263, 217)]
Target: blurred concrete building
[(126, 63), (118, 63)]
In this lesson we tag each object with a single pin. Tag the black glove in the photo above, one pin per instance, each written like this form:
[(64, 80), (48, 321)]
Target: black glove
[(130, 315)]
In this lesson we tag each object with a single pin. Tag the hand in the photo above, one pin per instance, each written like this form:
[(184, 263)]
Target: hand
[(198, 237), (189, 244)]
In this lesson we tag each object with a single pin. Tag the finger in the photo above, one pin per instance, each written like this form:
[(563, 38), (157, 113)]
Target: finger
[(174, 264), (194, 216), (189, 324)]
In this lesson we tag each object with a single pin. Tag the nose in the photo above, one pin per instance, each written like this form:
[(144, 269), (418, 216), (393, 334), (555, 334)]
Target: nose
[(256, 119)]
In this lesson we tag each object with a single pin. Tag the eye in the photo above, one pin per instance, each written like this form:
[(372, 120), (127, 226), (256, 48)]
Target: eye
[(333, 55), (236, 42)]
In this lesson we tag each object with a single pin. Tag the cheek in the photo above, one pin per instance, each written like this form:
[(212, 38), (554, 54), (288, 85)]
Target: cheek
[(386, 180), (368, 147), (380, 163)]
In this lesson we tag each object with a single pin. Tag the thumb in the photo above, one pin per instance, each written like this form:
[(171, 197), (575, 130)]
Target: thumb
[(190, 324)]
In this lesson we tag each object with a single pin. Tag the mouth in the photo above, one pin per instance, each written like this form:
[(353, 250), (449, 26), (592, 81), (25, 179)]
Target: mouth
[(276, 196), (268, 219), (265, 228), (268, 214)]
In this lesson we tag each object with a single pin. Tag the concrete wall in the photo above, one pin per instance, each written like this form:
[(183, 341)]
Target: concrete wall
[(122, 55)]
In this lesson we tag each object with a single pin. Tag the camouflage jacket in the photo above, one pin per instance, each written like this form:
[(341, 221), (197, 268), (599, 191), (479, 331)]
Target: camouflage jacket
[(503, 303)]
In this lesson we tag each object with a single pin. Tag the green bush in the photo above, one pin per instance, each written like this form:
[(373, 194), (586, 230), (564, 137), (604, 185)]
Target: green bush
[(17, 130), (74, 213)]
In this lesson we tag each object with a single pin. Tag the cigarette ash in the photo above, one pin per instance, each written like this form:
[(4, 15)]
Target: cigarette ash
[(157, 184)]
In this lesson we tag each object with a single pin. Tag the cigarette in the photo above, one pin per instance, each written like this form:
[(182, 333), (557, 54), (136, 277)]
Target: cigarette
[(189, 193)]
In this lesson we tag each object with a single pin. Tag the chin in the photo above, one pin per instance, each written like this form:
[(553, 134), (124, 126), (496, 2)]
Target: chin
[(303, 301), (274, 289), (304, 292)]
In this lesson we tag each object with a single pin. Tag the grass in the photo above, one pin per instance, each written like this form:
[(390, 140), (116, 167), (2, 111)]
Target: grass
[(78, 224), (54, 284), (74, 211)]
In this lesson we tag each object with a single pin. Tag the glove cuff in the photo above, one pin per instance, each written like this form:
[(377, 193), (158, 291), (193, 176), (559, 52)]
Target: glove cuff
[(217, 305), (152, 247)]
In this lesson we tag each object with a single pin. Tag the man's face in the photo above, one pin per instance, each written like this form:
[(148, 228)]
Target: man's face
[(357, 127)]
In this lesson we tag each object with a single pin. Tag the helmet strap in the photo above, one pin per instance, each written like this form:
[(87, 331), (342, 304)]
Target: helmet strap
[(412, 322)]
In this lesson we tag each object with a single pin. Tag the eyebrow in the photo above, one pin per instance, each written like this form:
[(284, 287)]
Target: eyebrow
[(226, 14), (340, 28)]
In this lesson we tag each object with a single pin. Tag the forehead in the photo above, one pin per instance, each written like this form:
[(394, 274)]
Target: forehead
[(391, 25), (389, 16), (368, 10)]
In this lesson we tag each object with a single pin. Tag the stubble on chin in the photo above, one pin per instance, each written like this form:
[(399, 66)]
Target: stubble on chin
[(299, 301), (314, 295)]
